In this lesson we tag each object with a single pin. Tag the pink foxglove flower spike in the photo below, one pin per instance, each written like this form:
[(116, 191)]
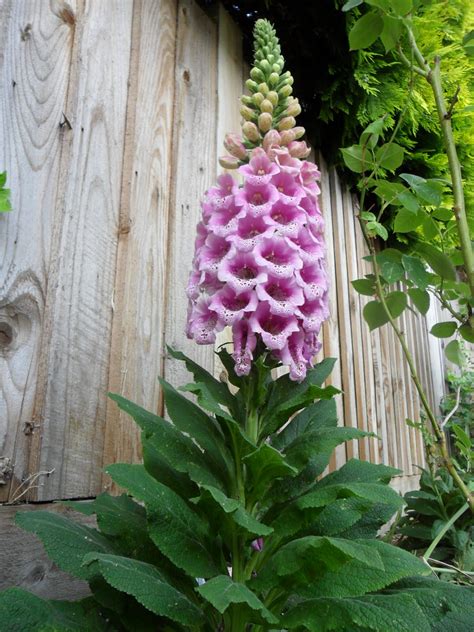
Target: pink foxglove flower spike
[(259, 255)]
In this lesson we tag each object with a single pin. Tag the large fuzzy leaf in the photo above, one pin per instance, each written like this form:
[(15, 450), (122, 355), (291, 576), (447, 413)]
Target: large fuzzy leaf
[(321, 414), (222, 591), (304, 561), (21, 611), (178, 531), (378, 613), (147, 585), (265, 465), (65, 541)]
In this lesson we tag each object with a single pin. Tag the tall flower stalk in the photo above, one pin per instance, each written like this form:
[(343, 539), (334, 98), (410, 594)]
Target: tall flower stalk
[(259, 261)]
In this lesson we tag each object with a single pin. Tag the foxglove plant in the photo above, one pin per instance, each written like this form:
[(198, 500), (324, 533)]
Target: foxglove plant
[(259, 261), (229, 524)]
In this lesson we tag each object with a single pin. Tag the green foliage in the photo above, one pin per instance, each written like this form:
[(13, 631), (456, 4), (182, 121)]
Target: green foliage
[(4, 194), (429, 509), (244, 491)]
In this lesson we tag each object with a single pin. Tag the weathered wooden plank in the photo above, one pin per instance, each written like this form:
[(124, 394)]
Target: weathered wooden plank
[(346, 353), (331, 326), (24, 562), (194, 168), (35, 58), (71, 396), (140, 284), (363, 268), (355, 324)]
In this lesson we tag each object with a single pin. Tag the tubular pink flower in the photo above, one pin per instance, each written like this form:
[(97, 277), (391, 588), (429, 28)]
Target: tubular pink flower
[(259, 257), (257, 199), (277, 256), (260, 169), (230, 306), (250, 230), (273, 329), (245, 341), (240, 271), (283, 295)]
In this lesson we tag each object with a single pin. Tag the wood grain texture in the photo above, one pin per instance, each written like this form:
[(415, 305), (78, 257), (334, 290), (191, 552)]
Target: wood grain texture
[(24, 562), (140, 283), (72, 385), (194, 169), (35, 58), (331, 348)]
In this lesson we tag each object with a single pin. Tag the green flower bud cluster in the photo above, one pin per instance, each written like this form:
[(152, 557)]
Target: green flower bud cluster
[(270, 104)]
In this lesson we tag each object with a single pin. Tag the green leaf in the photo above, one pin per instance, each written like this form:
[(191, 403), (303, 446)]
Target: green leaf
[(467, 333), (350, 4), (222, 591), (389, 191), (443, 214), (265, 465), (375, 315), (147, 585), (364, 286), (389, 156), (21, 611), (420, 298), (178, 531), (391, 33), (416, 271), (437, 260), (409, 201), (378, 613), (235, 510), (65, 541), (453, 352), (406, 221), (371, 133), (390, 270), (321, 414), (365, 31), (430, 191), (5, 205), (444, 330), (356, 158)]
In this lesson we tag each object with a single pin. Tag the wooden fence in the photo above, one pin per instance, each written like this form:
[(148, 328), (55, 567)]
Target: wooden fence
[(112, 116)]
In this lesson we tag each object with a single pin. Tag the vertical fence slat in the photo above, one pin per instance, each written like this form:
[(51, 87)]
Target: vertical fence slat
[(194, 166), (71, 397), (138, 320), (35, 58)]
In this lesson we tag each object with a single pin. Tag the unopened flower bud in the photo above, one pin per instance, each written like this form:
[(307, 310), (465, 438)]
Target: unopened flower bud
[(247, 113), (299, 149), (265, 121), (287, 136), (251, 85), (271, 58), (266, 106), (271, 138), (258, 98), (265, 66), (285, 91), (234, 145), (246, 100), (272, 96), (273, 79), (299, 132), (293, 109), (286, 123), (250, 131), (229, 162), (263, 87), (257, 74)]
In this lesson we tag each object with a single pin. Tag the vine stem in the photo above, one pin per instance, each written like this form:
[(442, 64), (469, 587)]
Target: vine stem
[(438, 432), (433, 77)]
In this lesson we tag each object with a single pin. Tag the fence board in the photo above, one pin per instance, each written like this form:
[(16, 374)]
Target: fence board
[(82, 274), (194, 168), (35, 59), (138, 319)]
